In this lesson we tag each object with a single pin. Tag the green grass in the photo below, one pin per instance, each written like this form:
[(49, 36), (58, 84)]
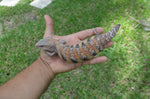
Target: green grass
[(126, 74)]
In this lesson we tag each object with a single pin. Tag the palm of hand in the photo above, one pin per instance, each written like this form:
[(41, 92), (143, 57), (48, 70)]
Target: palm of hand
[(58, 65)]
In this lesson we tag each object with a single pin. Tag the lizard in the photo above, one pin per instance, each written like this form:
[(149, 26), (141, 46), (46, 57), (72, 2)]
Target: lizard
[(77, 53)]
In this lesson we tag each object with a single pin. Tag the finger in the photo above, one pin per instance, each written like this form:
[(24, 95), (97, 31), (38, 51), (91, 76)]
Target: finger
[(49, 26), (96, 60), (108, 44), (92, 61), (89, 32)]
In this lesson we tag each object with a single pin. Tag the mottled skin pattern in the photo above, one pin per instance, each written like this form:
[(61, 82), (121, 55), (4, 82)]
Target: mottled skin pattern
[(78, 53)]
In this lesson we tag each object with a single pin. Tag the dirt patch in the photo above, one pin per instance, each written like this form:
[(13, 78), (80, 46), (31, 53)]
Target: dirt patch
[(31, 16), (16, 20), (9, 24)]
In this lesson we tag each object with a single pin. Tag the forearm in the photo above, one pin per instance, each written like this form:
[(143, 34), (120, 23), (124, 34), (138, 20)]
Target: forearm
[(28, 84)]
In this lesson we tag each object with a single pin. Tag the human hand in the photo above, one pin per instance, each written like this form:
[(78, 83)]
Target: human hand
[(55, 62)]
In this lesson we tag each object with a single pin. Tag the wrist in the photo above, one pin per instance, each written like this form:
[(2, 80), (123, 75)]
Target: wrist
[(46, 67)]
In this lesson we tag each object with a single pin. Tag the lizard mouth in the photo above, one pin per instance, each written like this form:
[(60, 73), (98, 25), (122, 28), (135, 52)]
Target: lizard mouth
[(50, 53)]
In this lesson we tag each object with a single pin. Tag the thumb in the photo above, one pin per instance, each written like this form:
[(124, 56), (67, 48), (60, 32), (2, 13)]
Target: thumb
[(49, 26)]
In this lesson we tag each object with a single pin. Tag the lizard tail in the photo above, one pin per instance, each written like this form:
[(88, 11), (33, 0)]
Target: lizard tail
[(109, 35), (114, 30)]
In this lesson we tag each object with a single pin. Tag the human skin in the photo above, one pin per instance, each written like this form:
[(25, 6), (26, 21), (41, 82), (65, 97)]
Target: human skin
[(32, 82)]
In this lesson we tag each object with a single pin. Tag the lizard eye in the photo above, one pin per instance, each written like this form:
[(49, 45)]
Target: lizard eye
[(52, 48), (41, 46)]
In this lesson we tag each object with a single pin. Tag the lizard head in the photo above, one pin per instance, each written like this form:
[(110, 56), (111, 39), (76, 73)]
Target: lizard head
[(48, 45)]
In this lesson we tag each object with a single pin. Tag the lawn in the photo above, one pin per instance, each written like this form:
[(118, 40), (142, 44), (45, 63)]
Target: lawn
[(126, 74)]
